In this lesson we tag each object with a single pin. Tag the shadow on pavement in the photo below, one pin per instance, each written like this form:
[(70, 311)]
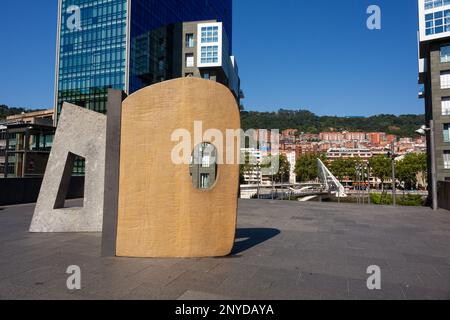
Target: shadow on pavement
[(248, 238)]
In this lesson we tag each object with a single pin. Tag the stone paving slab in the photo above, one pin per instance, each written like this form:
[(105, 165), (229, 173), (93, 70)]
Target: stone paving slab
[(284, 250)]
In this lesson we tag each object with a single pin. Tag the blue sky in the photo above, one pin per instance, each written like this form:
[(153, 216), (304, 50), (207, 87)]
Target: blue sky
[(292, 54)]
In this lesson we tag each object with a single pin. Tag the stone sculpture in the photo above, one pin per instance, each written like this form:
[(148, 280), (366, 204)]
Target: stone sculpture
[(145, 203)]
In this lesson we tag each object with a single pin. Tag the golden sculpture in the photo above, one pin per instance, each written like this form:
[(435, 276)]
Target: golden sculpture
[(161, 213)]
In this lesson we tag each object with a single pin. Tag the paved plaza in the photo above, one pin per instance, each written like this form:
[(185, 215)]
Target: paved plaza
[(284, 250)]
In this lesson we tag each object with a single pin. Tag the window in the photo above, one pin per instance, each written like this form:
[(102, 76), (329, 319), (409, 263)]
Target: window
[(430, 4), (446, 132), (205, 76), (189, 60), (203, 166), (445, 79), (445, 106), (437, 22), (210, 54), (445, 54), (447, 159), (206, 162), (210, 34), (161, 65), (79, 166), (204, 181), (189, 40)]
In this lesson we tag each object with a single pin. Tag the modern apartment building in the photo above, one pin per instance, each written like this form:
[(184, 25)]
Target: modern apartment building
[(434, 77), (206, 54), (191, 49), (130, 44)]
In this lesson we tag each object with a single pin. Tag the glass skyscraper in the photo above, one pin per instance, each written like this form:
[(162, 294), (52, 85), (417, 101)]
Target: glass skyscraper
[(120, 43)]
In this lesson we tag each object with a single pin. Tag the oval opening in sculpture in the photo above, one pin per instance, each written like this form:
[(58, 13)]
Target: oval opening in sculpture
[(203, 166)]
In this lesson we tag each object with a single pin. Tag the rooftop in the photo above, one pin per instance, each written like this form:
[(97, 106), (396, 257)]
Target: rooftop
[(32, 114), (284, 250)]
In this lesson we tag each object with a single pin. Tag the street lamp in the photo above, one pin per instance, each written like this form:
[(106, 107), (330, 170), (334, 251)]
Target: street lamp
[(361, 180), (368, 183), (392, 155), (430, 130)]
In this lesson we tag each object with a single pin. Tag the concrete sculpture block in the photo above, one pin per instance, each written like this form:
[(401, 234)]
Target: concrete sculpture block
[(112, 166), (161, 213), (80, 132)]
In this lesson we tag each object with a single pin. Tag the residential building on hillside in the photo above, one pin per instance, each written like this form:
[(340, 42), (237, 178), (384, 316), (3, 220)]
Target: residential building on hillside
[(364, 154)]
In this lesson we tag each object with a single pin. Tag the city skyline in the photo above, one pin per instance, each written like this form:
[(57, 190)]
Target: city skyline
[(362, 78)]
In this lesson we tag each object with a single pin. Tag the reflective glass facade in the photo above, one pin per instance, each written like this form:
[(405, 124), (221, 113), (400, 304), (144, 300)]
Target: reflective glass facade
[(445, 54), (93, 55), (152, 32)]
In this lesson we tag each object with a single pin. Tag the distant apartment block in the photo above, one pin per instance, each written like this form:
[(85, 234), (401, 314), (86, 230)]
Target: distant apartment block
[(253, 174), (42, 117), (291, 158), (343, 153), (25, 143), (375, 138)]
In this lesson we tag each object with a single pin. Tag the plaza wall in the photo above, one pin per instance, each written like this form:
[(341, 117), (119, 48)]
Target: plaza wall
[(26, 190)]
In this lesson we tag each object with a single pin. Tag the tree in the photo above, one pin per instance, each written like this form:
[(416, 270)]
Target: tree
[(284, 169), (406, 174), (247, 168), (381, 167), (269, 167), (422, 159), (306, 121), (338, 168), (408, 168), (7, 111), (344, 168), (306, 166)]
